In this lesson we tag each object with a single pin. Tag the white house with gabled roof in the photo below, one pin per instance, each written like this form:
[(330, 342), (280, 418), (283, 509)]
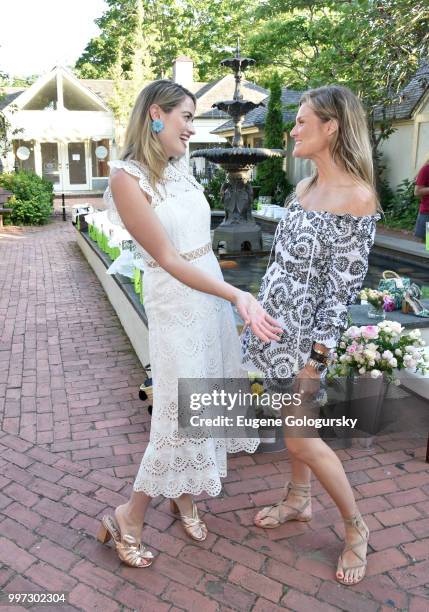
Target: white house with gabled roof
[(61, 123), (69, 132)]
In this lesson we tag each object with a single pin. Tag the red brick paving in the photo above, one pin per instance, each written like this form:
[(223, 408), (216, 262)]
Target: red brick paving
[(73, 430)]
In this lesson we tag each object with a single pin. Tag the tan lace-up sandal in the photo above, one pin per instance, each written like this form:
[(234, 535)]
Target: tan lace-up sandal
[(194, 527), (130, 551), (283, 511), (358, 523)]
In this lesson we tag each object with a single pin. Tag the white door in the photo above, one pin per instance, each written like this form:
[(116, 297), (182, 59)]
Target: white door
[(74, 164)]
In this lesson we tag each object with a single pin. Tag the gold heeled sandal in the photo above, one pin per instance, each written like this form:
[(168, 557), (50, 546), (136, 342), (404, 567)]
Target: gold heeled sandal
[(296, 514), (130, 551), (358, 523), (410, 303), (194, 527)]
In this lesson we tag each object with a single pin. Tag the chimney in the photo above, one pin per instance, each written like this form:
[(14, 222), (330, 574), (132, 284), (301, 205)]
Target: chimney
[(183, 68)]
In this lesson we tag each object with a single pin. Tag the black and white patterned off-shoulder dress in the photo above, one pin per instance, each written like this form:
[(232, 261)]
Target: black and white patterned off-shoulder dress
[(320, 262)]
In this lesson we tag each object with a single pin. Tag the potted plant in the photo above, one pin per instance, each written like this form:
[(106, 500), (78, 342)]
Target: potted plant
[(368, 358), (379, 350)]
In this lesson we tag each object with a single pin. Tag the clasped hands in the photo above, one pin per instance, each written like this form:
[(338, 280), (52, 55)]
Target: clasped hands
[(307, 381), (255, 317)]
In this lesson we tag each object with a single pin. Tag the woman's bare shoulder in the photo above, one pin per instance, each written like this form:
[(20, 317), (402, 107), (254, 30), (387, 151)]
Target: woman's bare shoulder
[(130, 185), (301, 186), (361, 201)]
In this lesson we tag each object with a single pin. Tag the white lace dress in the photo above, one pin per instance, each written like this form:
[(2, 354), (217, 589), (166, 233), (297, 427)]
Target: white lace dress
[(191, 335)]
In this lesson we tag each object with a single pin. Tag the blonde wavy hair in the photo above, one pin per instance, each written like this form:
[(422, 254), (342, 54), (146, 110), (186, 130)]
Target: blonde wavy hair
[(140, 142), (350, 147)]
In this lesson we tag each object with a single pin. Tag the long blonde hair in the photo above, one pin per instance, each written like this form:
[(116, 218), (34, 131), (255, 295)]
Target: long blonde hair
[(141, 143), (350, 146)]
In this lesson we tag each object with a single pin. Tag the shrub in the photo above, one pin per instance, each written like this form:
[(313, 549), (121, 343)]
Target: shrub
[(32, 200), (270, 174), (401, 207), (212, 189)]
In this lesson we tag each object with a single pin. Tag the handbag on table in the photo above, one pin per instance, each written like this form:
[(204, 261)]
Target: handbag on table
[(397, 286)]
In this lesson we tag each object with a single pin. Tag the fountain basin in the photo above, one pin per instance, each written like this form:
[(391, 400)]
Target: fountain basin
[(238, 157), (237, 108)]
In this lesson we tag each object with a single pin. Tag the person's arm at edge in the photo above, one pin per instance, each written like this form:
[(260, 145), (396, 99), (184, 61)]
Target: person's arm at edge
[(421, 187)]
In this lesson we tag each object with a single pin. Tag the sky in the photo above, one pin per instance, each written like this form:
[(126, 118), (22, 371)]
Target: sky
[(36, 35)]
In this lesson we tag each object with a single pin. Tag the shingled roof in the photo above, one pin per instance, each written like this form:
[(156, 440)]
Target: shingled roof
[(257, 116), (10, 95), (223, 89), (409, 97), (206, 93), (105, 88)]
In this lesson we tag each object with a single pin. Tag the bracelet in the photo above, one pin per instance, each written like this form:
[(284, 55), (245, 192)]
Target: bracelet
[(318, 351), (316, 365), (319, 357)]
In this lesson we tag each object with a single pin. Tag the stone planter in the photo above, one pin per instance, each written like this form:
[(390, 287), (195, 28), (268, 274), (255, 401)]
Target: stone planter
[(364, 401)]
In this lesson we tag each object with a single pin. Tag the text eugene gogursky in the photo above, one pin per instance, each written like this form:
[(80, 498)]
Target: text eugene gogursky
[(229, 401)]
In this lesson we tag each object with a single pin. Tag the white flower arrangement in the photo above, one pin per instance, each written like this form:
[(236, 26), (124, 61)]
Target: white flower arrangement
[(379, 350)]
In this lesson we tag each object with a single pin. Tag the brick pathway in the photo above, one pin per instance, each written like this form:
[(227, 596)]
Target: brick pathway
[(73, 432)]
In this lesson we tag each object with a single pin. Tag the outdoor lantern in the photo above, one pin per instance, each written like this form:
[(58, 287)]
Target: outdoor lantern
[(23, 153), (101, 152)]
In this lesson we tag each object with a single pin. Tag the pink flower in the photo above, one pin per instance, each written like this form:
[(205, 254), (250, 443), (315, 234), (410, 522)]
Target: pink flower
[(353, 332), (388, 303), (370, 332)]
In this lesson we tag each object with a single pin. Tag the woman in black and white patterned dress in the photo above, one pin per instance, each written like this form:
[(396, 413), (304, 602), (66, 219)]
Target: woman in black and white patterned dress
[(321, 250)]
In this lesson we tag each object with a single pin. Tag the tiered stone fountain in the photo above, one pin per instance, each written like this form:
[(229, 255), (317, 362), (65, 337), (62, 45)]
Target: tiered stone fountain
[(238, 231)]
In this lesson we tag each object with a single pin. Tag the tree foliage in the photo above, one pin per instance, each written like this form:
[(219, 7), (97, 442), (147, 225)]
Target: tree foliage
[(4, 123), (372, 46), (171, 28), (6, 130), (140, 68), (270, 174)]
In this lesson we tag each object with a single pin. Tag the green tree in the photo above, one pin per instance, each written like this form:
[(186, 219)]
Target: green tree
[(270, 174), (209, 32), (6, 130), (127, 85), (23, 81), (290, 37), (176, 27), (4, 123), (378, 47)]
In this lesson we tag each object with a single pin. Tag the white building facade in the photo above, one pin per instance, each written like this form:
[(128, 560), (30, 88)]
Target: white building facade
[(63, 129)]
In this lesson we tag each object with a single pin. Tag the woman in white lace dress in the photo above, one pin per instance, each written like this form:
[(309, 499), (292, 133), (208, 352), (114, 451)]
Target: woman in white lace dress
[(321, 258), (192, 332)]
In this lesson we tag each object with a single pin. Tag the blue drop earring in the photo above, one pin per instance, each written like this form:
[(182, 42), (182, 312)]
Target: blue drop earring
[(157, 125)]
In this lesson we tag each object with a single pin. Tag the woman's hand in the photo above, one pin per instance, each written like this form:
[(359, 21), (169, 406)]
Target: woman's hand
[(307, 383), (254, 316)]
